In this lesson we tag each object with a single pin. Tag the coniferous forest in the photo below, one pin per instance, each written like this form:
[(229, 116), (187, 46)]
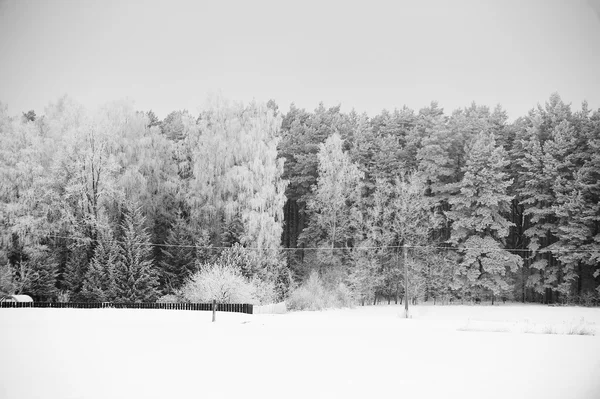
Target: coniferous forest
[(117, 205)]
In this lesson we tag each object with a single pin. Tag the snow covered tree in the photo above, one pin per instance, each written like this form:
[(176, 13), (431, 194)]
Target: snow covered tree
[(336, 191), (135, 275), (237, 173), (411, 221), (478, 225), (75, 270), (7, 285), (43, 284), (178, 256), (99, 284), (331, 208), (365, 277), (576, 209)]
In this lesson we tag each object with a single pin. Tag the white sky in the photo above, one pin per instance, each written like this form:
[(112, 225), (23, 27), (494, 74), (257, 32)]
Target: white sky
[(367, 55)]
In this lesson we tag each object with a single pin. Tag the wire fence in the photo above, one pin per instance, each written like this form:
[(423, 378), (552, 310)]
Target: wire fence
[(548, 250)]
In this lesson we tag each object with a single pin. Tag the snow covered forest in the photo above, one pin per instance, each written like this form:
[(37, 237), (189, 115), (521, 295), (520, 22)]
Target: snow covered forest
[(117, 205)]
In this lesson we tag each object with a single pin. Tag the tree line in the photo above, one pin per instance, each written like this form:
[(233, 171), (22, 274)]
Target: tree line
[(119, 205)]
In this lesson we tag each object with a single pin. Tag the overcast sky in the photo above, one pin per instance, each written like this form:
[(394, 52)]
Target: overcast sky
[(367, 55)]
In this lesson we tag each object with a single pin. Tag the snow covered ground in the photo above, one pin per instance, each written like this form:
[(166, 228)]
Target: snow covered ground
[(366, 352)]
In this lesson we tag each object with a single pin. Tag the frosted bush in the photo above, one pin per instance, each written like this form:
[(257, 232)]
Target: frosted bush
[(225, 283), (265, 292), (169, 298), (313, 295), (343, 296)]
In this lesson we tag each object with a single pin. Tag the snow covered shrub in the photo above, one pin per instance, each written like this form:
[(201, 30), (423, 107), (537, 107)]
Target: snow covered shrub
[(64, 296), (587, 299), (313, 295), (309, 296), (169, 298), (580, 328), (225, 283), (343, 296), (265, 292)]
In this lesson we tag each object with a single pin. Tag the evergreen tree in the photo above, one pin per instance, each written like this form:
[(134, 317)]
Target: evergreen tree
[(479, 228), (75, 271), (43, 284), (7, 284), (99, 284), (577, 208), (178, 256), (136, 279)]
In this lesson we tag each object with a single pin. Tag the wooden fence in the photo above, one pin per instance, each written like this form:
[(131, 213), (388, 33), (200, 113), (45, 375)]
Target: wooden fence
[(221, 307)]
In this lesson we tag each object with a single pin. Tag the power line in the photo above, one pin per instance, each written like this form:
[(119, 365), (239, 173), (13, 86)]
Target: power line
[(447, 248)]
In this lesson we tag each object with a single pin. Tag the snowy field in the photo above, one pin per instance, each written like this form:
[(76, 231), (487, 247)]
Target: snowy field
[(483, 352)]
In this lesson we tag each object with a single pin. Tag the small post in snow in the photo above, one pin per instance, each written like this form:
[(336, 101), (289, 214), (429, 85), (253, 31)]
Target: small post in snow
[(214, 309)]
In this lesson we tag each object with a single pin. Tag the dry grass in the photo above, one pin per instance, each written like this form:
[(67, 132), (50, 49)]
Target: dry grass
[(568, 328), (483, 328), (581, 328)]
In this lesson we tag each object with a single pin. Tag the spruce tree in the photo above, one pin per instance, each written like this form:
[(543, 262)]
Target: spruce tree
[(136, 278), (178, 256), (99, 284), (43, 285), (75, 271), (7, 284)]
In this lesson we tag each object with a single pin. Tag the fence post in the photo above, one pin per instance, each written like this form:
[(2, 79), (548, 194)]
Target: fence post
[(214, 310)]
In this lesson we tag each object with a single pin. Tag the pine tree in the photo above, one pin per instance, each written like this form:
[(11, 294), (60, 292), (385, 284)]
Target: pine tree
[(478, 225), (136, 278), (577, 206), (546, 149)]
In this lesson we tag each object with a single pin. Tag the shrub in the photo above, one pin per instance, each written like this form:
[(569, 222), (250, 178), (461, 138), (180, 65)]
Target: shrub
[(313, 295), (264, 291), (64, 296), (343, 296), (588, 299), (581, 328), (169, 298), (309, 296), (225, 283)]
